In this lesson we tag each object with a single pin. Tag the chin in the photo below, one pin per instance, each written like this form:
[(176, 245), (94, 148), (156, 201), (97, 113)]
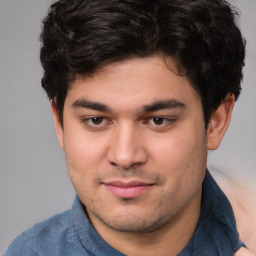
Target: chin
[(134, 222)]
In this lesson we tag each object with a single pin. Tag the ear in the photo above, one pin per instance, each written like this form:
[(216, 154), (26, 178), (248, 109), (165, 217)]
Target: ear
[(58, 126), (219, 122)]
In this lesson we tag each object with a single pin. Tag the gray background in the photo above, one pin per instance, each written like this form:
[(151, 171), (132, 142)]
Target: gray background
[(34, 183)]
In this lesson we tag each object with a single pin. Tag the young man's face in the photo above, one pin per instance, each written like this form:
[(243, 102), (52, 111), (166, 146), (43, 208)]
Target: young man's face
[(135, 144)]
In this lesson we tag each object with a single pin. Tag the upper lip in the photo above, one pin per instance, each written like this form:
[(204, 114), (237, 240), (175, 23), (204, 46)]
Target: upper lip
[(125, 184)]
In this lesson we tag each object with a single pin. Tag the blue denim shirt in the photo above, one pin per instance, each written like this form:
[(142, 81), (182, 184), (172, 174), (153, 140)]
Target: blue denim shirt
[(71, 234)]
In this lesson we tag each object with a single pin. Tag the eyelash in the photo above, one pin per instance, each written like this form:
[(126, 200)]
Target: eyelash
[(167, 121), (104, 122), (88, 121)]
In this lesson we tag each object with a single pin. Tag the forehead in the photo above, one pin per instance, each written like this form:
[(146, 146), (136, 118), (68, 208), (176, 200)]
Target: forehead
[(134, 81)]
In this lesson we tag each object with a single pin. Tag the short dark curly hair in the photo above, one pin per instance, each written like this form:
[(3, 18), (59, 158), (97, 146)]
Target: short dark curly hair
[(202, 36)]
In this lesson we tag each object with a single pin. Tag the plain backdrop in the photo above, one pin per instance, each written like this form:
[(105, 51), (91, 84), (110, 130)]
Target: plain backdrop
[(34, 183)]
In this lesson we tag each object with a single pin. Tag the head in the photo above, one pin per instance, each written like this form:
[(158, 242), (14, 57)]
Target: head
[(201, 36), (140, 90)]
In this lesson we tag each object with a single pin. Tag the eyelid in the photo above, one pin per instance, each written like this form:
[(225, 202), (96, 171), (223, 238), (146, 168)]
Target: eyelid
[(92, 117), (87, 121), (167, 121)]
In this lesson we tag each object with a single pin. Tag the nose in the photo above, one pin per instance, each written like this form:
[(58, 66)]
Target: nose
[(126, 148)]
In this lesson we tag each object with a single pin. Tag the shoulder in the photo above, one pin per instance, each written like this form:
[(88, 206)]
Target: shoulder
[(41, 234)]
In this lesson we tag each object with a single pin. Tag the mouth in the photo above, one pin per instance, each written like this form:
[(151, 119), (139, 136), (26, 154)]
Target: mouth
[(127, 190)]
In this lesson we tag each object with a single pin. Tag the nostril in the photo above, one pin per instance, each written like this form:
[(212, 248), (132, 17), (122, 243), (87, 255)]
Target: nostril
[(114, 164)]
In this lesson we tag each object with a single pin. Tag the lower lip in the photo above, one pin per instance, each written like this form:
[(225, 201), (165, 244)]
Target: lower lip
[(128, 192)]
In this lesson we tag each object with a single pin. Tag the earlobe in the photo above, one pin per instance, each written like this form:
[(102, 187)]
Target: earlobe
[(58, 126), (219, 122)]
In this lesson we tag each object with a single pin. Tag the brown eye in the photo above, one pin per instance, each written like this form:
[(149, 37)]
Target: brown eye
[(158, 120), (96, 123), (97, 120)]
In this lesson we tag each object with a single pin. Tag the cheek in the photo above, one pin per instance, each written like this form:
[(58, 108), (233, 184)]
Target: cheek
[(182, 157), (82, 158), (83, 150)]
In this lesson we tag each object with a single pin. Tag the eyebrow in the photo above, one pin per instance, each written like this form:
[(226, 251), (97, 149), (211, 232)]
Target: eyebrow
[(157, 105), (162, 104), (82, 103)]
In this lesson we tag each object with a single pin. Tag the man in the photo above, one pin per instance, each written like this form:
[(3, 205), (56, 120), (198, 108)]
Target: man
[(140, 91)]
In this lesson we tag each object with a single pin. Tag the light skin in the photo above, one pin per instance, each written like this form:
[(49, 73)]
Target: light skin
[(136, 146)]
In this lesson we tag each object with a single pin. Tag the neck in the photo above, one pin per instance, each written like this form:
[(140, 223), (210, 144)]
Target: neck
[(169, 240)]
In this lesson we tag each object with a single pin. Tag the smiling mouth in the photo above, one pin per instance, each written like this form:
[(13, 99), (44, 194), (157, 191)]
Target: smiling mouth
[(127, 190)]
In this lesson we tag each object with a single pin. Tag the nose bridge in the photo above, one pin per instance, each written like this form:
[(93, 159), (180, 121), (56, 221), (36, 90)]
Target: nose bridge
[(127, 146)]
